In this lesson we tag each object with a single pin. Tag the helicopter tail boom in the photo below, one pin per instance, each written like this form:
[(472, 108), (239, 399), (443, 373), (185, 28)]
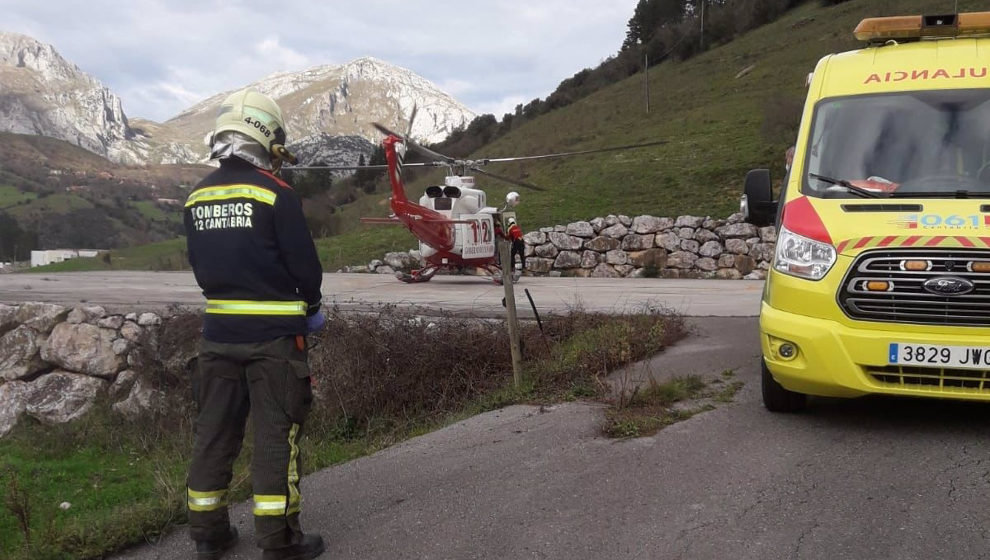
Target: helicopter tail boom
[(393, 156)]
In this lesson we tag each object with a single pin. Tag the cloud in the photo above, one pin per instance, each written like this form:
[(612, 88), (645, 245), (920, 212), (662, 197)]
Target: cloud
[(455, 86), (270, 51), (158, 55)]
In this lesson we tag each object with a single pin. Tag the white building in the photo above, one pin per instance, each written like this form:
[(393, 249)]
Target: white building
[(41, 258)]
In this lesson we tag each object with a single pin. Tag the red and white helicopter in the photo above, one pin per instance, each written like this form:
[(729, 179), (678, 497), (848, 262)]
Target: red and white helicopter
[(453, 222)]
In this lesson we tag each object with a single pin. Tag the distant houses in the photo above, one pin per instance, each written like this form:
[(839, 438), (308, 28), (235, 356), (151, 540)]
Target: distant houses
[(49, 256)]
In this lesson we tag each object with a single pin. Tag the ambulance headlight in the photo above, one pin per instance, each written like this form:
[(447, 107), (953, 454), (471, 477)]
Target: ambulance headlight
[(802, 257)]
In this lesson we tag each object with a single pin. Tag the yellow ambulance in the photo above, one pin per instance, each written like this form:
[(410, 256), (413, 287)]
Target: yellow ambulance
[(880, 283)]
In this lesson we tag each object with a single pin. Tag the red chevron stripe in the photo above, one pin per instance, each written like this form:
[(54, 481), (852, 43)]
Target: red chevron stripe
[(933, 242), (910, 241), (842, 246), (964, 241), (862, 241), (887, 240), (801, 218)]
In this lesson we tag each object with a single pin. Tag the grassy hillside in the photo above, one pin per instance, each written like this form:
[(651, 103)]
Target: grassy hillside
[(54, 194)]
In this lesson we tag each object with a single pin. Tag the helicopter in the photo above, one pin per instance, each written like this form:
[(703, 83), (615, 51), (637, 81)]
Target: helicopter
[(453, 222)]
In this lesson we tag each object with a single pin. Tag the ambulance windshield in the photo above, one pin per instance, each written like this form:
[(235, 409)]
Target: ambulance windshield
[(927, 143)]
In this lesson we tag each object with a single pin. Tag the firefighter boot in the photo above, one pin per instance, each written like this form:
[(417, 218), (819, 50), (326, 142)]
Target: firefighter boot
[(310, 547), (213, 550)]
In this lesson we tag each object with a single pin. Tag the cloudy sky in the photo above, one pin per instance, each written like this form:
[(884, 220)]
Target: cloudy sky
[(163, 56)]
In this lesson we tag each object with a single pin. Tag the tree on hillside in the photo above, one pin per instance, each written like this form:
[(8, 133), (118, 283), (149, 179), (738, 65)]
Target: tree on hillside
[(364, 178), (649, 16), (378, 158), (15, 243), (310, 183)]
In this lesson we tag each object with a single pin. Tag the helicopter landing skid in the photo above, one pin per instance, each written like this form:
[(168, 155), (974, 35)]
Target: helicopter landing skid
[(496, 274), (417, 276)]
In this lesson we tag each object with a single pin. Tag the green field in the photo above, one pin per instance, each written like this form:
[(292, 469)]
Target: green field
[(150, 210), (164, 255), (361, 246), (9, 196), (59, 203)]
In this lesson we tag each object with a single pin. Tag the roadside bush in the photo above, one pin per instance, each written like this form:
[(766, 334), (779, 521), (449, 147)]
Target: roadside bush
[(394, 367), (393, 364)]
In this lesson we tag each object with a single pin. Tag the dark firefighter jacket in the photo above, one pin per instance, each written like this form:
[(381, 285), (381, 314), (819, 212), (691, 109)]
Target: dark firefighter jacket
[(252, 255)]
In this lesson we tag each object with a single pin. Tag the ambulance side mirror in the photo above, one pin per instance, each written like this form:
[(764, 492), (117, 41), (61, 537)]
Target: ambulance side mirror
[(757, 205)]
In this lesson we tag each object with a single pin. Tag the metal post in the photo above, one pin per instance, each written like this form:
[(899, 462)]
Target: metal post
[(701, 43), (646, 79), (505, 257)]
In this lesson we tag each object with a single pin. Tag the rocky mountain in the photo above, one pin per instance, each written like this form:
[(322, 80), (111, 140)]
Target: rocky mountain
[(338, 100), (327, 149), (43, 94)]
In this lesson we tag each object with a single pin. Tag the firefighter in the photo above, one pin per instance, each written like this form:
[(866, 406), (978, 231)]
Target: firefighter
[(257, 266)]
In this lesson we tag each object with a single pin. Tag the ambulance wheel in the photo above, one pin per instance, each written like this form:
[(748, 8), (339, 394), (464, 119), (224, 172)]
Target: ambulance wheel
[(778, 399)]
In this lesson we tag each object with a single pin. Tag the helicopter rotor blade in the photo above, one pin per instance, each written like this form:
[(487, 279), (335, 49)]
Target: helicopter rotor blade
[(423, 150), (412, 118), (354, 167), (577, 153), (508, 179)]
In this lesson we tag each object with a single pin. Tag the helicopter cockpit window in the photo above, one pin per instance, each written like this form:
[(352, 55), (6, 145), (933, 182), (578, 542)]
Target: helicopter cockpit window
[(435, 191), (443, 203), (896, 144)]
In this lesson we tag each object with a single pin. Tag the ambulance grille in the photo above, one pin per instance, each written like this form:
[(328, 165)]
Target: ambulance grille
[(930, 379), (907, 301)]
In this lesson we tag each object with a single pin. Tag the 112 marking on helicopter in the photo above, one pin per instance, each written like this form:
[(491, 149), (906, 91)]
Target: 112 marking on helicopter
[(454, 224)]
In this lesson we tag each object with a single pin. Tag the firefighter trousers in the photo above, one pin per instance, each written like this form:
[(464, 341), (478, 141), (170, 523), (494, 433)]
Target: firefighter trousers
[(518, 248), (271, 381)]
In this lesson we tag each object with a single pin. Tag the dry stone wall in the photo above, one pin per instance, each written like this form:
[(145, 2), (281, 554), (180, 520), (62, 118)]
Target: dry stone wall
[(56, 362), (637, 247)]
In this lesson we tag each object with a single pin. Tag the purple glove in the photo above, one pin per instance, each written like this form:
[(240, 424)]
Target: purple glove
[(315, 322)]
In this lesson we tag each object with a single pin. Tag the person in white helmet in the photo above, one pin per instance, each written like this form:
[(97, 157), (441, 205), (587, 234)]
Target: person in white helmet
[(514, 233), (256, 263)]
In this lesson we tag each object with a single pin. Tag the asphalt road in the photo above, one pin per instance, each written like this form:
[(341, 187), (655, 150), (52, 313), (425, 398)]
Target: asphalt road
[(469, 295), (861, 479)]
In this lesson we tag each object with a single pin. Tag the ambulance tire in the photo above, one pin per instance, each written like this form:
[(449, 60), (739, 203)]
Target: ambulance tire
[(778, 399)]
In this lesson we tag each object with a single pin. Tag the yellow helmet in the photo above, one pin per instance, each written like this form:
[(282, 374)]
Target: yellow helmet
[(255, 114)]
